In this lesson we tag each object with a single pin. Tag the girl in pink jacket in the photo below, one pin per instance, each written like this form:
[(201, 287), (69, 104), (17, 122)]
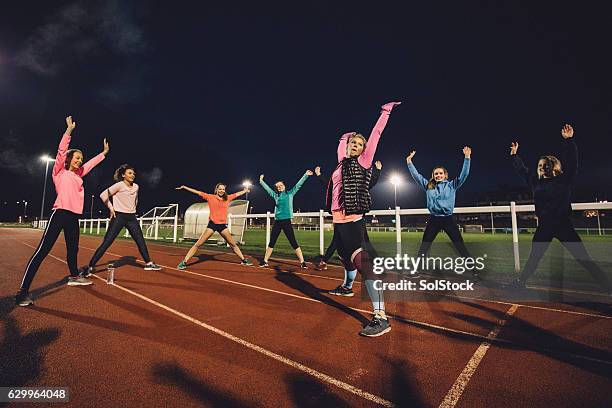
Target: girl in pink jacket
[(68, 173)]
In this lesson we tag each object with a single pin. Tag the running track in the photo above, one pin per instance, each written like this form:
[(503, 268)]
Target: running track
[(227, 335)]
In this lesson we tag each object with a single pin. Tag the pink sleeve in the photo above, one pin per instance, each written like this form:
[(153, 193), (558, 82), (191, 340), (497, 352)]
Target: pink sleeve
[(205, 196), (93, 162), (232, 197), (109, 192), (366, 158), (60, 158), (342, 145)]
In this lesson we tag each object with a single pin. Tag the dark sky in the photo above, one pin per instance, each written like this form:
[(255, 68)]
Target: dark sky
[(201, 92)]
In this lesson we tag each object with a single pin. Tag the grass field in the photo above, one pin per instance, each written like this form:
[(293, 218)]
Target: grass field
[(557, 268)]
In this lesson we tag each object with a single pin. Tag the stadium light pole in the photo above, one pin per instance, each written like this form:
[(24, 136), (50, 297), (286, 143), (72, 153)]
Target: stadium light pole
[(47, 159), (91, 208), (247, 184), (395, 180)]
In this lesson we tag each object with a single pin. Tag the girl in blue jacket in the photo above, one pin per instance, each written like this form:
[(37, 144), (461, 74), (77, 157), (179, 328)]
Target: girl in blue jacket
[(440, 194)]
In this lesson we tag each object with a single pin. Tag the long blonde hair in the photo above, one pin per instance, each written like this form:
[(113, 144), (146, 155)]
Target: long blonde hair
[(224, 196), (432, 182), (554, 164)]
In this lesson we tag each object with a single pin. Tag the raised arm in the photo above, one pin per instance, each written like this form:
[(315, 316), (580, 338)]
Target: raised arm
[(266, 187), (342, 145), (300, 183), (365, 159), (94, 161), (569, 160), (62, 150), (420, 180), (518, 164), (465, 169), (322, 179), (238, 194)]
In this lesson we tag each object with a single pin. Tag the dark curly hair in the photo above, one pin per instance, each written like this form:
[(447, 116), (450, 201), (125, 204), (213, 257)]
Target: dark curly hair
[(69, 155), (120, 172)]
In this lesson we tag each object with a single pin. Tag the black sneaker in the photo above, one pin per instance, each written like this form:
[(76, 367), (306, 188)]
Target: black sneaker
[(303, 265), (246, 262), (377, 327), (23, 299), (78, 281), (263, 264), (342, 291), (152, 266), (86, 272)]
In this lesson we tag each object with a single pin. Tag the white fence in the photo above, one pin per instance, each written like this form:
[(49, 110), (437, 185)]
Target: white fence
[(512, 209), (150, 223)]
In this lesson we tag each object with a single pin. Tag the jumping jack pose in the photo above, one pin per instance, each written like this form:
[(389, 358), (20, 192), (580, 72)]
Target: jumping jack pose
[(68, 172), (551, 186), (348, 199), (440, 194), (218, 203), (122, 209), (321, 265), (283, 213)]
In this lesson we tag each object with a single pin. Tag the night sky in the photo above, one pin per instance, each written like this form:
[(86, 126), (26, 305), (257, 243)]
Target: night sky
[(202, 92)]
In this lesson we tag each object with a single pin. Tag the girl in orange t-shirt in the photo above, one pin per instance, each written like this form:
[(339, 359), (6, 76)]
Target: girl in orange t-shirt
[(218, 203)]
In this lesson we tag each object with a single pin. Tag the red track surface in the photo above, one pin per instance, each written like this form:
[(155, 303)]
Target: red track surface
[(223, 334)]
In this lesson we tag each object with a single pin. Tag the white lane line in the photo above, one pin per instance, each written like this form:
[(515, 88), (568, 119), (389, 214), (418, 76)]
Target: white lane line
[(291, 363), (399, 318), (455, 392)]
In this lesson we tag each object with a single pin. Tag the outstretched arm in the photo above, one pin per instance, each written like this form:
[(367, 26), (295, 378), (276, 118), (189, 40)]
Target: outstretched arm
[(365, 159), (191, 190), (94, 161), (420, 180), (266, 187), (465, 169), (300, 183), (238, 194)]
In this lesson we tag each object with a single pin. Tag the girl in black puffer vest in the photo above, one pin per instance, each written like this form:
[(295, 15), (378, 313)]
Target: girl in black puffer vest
[(348, 199)]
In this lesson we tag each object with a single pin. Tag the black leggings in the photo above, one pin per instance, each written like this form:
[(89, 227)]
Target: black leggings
[(564, 231), (287, 228), (448, 225), (367, 245), (60, 220), (121, 220)]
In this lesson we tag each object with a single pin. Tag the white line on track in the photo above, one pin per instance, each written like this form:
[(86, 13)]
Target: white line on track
[(455, 392), (254, 347), (399, 318)]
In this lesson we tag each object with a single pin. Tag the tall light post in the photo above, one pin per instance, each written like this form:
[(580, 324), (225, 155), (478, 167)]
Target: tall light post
[(47, 159), (91, 208), (395, 180), (25, 209), (247, 184)]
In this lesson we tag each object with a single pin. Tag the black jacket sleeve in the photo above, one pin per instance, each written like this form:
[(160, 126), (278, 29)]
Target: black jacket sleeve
[(375, 176)]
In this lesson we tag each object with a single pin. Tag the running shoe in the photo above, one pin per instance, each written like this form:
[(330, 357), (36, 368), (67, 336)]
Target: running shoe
[(86, 272), (377, 327), (342, 291), (321, 266), (303, 265), (152, 266), (23, 299), (246, 262), (181, 266), (78, 281), (263, 264)]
